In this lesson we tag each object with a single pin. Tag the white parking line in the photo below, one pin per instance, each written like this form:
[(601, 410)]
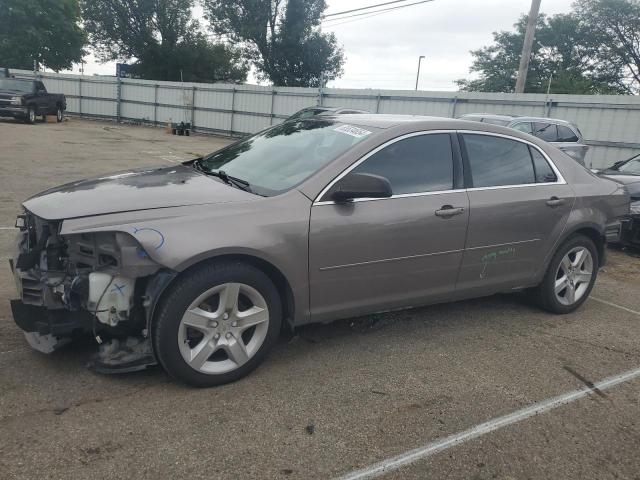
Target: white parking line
[(7, 228), (614, 305), (394, 463)]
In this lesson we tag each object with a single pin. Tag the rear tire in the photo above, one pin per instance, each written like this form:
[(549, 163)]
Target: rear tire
[(217, 323), (570, 276), (59, 115)]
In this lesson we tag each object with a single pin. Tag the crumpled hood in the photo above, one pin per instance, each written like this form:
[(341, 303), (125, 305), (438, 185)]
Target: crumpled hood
[(139, 189)]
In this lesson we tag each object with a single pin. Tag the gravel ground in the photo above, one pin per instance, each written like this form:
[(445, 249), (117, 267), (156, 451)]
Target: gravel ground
[(331, 399)]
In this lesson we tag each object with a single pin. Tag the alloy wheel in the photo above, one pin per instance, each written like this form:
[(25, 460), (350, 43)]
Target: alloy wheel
[(223, 328), (574, 275)]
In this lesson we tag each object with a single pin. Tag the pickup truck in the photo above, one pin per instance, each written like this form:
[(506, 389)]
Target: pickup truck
[(25, 99)]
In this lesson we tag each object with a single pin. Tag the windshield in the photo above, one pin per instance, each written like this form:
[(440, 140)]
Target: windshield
[(632, 167), (306, 113), (13, 85), (283, 156), (497, 121)]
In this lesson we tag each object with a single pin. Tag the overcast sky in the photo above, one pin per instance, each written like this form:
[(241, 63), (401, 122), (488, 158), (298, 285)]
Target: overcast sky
[(382, 51)]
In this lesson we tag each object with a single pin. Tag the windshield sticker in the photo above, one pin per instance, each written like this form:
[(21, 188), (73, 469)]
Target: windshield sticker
[(353, 131)]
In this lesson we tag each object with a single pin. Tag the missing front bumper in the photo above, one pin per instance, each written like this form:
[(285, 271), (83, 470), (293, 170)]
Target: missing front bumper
[(40, 320)]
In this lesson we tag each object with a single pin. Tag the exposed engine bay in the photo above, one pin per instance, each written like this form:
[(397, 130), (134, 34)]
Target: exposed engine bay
[(90, 283)]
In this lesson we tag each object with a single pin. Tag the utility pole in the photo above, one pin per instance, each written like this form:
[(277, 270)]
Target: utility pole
[(528, 45), (418, 76)]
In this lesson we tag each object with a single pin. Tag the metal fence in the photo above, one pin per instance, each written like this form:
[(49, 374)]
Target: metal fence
[(611, 124)]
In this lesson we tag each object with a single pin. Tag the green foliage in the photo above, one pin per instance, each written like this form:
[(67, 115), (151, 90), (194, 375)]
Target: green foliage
[(47, 31), (568, 49), (616, 25), (281, 37), (162, 38)]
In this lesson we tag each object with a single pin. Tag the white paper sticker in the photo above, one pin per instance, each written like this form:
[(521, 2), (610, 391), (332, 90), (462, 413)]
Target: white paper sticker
[(353, 131)]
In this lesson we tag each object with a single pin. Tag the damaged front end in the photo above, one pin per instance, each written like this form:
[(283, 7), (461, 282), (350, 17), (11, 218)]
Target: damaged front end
[(101, 284)]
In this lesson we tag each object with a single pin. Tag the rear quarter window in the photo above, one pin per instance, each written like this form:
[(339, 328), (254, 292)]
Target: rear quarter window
[(565, 134), (544, 172)]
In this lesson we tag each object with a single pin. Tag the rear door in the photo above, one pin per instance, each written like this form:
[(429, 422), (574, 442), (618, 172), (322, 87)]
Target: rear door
[(43, 99), (519, 206), (376, 254)]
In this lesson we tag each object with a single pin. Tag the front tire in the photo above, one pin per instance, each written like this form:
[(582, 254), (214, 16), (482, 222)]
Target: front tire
[(31, 116), (217, 323), (570, 276)]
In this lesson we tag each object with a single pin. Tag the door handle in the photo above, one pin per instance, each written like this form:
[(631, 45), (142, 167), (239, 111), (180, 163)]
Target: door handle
[(555, 202), (449, 211)]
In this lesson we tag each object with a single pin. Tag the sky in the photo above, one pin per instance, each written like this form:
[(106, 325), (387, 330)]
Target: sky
[(382, 51)]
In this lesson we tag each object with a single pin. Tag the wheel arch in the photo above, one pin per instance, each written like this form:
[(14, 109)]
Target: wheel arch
[(593, 231), (275, 274), (597, 236), (590, 230)]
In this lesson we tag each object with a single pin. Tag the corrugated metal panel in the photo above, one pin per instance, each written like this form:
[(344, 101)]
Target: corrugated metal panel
[(216, 121), (601, 118), (136, 111)]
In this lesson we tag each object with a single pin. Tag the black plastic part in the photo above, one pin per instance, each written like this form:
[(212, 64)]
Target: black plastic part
[(630, 235), (59, 323), (110, 369), (123, 355)]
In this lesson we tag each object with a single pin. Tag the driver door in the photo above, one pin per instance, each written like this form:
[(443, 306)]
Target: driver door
[(369, 255)]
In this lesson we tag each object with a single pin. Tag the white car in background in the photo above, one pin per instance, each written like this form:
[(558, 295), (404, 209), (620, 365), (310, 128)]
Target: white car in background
[(560, 133)]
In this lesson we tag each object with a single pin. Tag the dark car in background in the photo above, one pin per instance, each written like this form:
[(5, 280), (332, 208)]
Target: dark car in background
[(313, 111), (627, 172), (25, 99), (560, 133)]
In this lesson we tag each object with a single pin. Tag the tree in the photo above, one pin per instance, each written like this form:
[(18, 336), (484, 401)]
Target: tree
[(565, 51), (281, 37), (45, 31), (616, 23), (162, 38)]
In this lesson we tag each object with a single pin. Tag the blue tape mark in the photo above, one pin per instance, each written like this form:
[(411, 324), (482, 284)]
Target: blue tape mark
[(136, 230), (118, 288)]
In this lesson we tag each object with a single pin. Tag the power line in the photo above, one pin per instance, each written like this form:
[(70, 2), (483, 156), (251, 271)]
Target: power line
[(363, 8), (374, 13), (354, 20)]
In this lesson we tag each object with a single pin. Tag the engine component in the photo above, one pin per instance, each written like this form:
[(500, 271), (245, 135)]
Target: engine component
[(110, 297)]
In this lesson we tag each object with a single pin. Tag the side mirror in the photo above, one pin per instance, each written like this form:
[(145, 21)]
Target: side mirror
[(361, 185)]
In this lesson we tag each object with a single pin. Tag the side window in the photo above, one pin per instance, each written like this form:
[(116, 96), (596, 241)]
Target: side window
[(497, 161), (40, 87), (546, 131), (524, 127), (544, 172), (414, 165), (565, 134)]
